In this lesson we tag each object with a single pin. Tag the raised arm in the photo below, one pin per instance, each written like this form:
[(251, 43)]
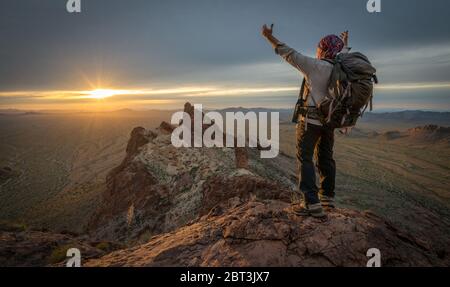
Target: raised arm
[(304, 64), (344, 37), (268, 34)]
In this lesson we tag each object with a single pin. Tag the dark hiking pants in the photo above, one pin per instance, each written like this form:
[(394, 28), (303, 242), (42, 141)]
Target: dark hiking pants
[(319, 139)]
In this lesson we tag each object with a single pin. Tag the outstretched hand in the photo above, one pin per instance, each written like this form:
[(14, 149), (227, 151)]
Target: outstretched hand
[(266, 31), (344, 37)]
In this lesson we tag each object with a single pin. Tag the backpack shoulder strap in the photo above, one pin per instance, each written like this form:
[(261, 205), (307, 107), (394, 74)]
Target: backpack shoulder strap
[(300, 102), (332, 62), (302, 90), (302, 93)]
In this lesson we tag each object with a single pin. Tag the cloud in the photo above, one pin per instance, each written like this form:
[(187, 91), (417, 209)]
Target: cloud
[(52, 56), (419, 63), (414, 86)]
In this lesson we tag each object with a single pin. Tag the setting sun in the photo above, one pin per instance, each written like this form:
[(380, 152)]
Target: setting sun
[(102, 93)]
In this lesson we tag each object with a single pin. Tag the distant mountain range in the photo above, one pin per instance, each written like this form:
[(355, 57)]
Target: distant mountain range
[(417, 117), (412, 117)]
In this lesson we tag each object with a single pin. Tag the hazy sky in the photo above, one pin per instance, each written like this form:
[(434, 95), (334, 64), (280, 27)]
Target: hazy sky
[(161, 53)]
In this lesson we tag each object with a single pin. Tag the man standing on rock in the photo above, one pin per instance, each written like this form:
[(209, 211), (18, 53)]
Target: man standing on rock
[(311, 134)]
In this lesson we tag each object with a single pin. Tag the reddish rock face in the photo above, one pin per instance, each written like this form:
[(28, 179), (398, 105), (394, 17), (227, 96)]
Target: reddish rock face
[(266, 233), (241, 155), (138, 138), (218, 190), (166, 128), (130, 185), (189, 109), (37, 248)]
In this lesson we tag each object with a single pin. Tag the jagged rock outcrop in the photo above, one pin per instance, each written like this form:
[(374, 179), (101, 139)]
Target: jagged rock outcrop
[(158, 187), (241, 154), (430, 133), (267, 233), (419, 135), (139, 137)]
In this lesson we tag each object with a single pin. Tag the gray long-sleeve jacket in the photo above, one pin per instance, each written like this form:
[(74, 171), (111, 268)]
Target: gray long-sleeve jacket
[(316, 72)]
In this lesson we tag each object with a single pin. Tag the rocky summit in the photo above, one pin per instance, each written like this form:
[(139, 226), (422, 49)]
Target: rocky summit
[(267, 233), (167, 206), (228, 207)]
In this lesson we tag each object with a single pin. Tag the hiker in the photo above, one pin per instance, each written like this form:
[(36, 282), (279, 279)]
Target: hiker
[(312, 134)]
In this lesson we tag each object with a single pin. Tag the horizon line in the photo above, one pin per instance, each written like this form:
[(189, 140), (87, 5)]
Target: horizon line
[(18, 110)]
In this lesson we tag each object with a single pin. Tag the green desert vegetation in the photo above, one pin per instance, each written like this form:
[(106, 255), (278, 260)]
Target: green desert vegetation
[(9, 226)]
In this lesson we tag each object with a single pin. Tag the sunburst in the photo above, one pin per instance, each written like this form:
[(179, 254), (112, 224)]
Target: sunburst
[(102, 93)]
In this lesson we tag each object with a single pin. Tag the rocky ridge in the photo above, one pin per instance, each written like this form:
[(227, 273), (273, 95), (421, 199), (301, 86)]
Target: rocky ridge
[(158, 188), (167, 206), (219, 207)]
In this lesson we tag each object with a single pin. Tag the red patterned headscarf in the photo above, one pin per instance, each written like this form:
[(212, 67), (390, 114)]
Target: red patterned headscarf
[(330, 45)]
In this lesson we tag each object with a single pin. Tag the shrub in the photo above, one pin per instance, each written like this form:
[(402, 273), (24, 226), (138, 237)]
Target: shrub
[(59, 254), (12, 226), (104, 246)]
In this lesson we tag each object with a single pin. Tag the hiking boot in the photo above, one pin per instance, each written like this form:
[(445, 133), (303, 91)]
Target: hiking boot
[(327, 202), (314, 210)]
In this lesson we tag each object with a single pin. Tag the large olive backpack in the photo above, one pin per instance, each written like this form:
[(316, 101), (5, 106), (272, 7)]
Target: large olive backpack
[(350, 90)]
